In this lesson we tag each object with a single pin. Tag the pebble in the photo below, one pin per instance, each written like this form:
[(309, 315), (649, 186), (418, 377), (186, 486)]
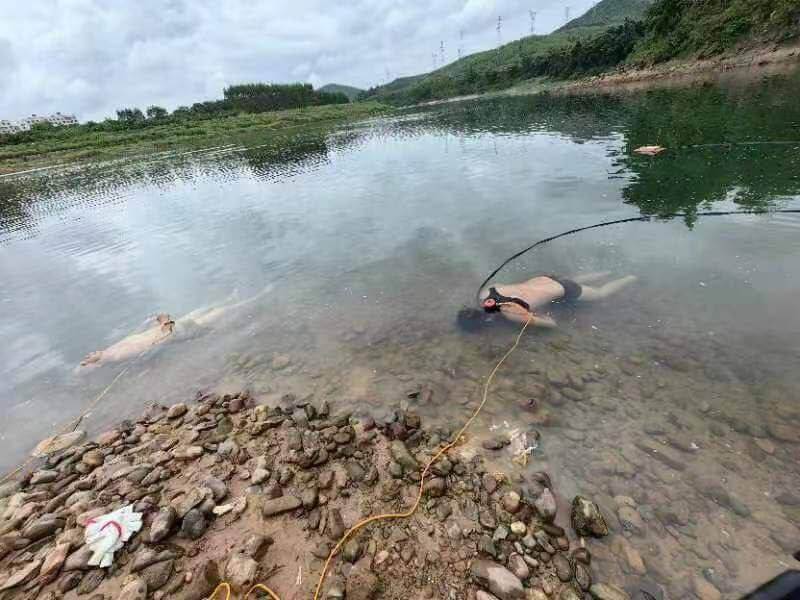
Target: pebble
[(518, 566), (546, 505), (259, 476), (511, 501), (351, 551), (518, 528), (403, 457), (500, 581), (280, 505)]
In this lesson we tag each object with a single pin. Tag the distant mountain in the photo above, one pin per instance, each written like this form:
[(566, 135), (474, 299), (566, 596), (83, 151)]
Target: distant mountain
[(608, 13), (504, 66), (348, 90)]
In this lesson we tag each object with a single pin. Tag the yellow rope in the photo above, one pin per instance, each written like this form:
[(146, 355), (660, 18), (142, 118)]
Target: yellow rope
[(436, 457)]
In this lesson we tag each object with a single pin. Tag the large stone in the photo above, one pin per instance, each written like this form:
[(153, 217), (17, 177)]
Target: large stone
[(401, 454), (58, 443), (280, 505), (163, 524), (176, 410), (586, 518), (606, 591), (499, 580)]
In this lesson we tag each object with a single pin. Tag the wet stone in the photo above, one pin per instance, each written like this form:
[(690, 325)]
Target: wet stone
[(562, 567)]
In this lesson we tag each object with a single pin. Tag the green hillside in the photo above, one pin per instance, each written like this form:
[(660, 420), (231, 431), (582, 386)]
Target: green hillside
[(608, 14), (501, 67), (685, 28), (348, 90)]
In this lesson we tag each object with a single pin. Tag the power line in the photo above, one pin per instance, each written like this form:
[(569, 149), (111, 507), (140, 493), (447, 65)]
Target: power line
[(532, 14)]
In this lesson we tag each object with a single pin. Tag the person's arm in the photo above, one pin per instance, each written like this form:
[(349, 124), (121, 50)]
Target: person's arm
[(520, 315)]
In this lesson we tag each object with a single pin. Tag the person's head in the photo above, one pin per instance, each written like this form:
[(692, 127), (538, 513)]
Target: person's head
[(473, 320)]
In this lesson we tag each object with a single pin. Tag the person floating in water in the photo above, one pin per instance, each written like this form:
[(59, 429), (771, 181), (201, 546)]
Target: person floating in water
[(161, 329), (517, 301)]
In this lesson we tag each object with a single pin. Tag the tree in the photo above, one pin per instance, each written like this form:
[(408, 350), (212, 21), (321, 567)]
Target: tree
[(130, 115), (156, 112)]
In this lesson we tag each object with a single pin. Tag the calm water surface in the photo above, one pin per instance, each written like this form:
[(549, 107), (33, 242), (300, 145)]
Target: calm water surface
[(340, 260)]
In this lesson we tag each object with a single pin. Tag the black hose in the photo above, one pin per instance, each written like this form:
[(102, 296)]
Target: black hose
[(647, 218)]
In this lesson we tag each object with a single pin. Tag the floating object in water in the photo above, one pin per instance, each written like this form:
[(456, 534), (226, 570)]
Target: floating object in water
[(107, 534), (650, 150)]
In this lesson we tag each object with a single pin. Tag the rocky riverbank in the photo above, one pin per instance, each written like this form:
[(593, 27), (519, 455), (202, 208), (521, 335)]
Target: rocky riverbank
[(233, 490)]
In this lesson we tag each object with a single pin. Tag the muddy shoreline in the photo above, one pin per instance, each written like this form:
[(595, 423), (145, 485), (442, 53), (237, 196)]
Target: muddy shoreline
[(238, 491)]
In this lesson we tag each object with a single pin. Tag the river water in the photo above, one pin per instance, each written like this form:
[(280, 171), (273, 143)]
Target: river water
[(340, 259)]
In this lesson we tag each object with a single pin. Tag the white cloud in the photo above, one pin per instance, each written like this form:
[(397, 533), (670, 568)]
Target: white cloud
[(92, 57)]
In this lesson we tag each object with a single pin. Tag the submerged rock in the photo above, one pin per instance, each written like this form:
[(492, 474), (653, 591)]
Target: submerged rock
[(586, 518), (605, 591)]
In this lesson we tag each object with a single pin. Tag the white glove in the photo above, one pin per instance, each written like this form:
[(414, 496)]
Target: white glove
[(107, 534)]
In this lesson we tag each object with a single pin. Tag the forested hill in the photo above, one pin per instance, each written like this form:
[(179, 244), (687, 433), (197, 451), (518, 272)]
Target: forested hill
[(337, 88), (607, 14)]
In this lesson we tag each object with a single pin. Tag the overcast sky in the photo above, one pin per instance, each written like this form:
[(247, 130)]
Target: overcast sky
[(91, 57)]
